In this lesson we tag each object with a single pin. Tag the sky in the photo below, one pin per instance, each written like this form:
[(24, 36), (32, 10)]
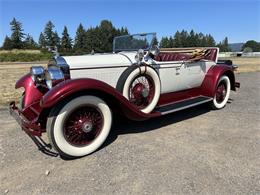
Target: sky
[(239, 20)]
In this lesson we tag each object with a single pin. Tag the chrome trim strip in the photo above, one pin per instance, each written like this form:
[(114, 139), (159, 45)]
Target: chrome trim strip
[(90, 68)]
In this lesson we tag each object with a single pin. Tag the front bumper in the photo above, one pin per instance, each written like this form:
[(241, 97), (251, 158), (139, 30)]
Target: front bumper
[(31, 127)]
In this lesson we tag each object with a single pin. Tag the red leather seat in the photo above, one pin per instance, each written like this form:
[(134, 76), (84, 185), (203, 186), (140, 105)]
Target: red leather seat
[(211, 54), (167, 56)]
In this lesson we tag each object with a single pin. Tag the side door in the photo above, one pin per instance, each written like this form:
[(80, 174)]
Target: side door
[(193, 73), (170, 74)]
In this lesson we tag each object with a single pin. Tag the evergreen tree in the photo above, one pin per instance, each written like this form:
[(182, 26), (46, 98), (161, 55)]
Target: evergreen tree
[(80, 39), (17, 34), (56, 40), (66, 40), (29, 43), (49, 34), (184, 38), (123, 31), (106, 36), (171, 42), (192, 40), (155, 41), (164, 42), (177, 39), (42, 41), (8, 44), (223, 46), (210, 42), (100, 38)]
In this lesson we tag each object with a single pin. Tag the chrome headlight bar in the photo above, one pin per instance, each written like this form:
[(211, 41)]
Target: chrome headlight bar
[(53, 76), (50, 77), (37, 73)]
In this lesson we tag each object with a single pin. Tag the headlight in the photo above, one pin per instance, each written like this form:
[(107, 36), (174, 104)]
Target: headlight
[(53, 77), (37, 73)]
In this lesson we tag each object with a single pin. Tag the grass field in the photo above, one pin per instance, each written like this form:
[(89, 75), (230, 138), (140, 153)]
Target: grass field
[(26, 55), (10, 72)]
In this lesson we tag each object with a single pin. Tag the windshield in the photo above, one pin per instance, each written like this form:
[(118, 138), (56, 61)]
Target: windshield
[(133, 42)]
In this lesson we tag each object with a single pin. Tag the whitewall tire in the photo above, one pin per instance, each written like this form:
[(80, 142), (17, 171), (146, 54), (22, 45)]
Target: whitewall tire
[(142, 87), (222, 93), (79, 127)]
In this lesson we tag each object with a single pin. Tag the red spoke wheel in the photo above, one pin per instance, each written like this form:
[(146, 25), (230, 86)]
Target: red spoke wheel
[(83, 125), (141, 91), (222, 93), (79, 127)]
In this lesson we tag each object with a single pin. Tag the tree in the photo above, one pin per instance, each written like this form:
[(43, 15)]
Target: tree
[(223, 46), (100, 38), (177, 39), (164, 42), (210, 41), (192, 41), (42, 41), (49, 34), (29, 43), (66, 40), (255, 46), (248, 50), (8, 44), (155, 41), (17, 34), (56, 40), (80, 39)]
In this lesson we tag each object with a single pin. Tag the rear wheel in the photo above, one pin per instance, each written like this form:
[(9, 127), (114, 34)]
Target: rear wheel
[(80, 127), (222, 93)]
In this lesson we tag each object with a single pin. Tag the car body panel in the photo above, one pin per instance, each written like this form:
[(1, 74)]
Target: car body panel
[(70, 87)]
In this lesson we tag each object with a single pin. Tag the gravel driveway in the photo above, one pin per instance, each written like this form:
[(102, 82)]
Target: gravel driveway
[(193, 151)]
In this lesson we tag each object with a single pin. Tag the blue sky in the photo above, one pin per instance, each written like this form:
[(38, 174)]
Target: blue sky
[(239, 20)]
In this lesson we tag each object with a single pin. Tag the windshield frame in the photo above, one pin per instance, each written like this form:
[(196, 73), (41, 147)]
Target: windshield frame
[(140, 34)]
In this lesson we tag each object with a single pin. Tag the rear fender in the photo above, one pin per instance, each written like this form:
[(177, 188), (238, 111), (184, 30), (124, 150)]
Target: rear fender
[(69, 88), (210, 81)]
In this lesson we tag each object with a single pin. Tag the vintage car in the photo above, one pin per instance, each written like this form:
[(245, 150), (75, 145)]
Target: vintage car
[(75, 97)]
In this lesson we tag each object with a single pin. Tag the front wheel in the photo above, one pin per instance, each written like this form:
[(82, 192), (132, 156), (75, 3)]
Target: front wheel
[(80, 127), (222, 93)]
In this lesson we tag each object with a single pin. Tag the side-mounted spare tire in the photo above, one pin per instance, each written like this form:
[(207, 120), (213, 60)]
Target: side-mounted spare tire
[(141, 86)]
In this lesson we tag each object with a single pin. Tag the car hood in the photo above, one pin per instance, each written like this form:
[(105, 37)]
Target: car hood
[(101, 60)]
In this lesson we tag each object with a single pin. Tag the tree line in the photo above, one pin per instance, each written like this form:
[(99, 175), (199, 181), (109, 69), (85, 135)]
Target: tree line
[(193, 39), (100, 39)]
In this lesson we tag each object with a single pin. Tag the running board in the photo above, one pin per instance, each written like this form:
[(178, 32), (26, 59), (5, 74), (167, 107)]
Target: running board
[(183, 104)]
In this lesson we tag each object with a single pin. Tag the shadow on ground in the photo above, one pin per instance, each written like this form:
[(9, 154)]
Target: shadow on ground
[(125, 126)]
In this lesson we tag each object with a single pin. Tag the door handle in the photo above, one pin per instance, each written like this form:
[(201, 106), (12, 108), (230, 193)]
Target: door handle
[(177, 70)]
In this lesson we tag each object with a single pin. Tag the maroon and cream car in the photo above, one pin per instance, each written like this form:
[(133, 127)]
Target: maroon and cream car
[(75, 98)]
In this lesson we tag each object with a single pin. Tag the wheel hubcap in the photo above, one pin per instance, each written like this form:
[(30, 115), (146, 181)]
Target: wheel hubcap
[(83, 125), (87, 127)]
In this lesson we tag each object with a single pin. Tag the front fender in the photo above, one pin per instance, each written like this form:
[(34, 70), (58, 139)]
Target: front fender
[(32, 94), (74, 86), (211, 79)]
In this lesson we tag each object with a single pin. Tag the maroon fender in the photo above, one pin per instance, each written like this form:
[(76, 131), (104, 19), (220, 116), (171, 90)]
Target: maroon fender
[(32, 93), (70, 87), (210, 81)]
